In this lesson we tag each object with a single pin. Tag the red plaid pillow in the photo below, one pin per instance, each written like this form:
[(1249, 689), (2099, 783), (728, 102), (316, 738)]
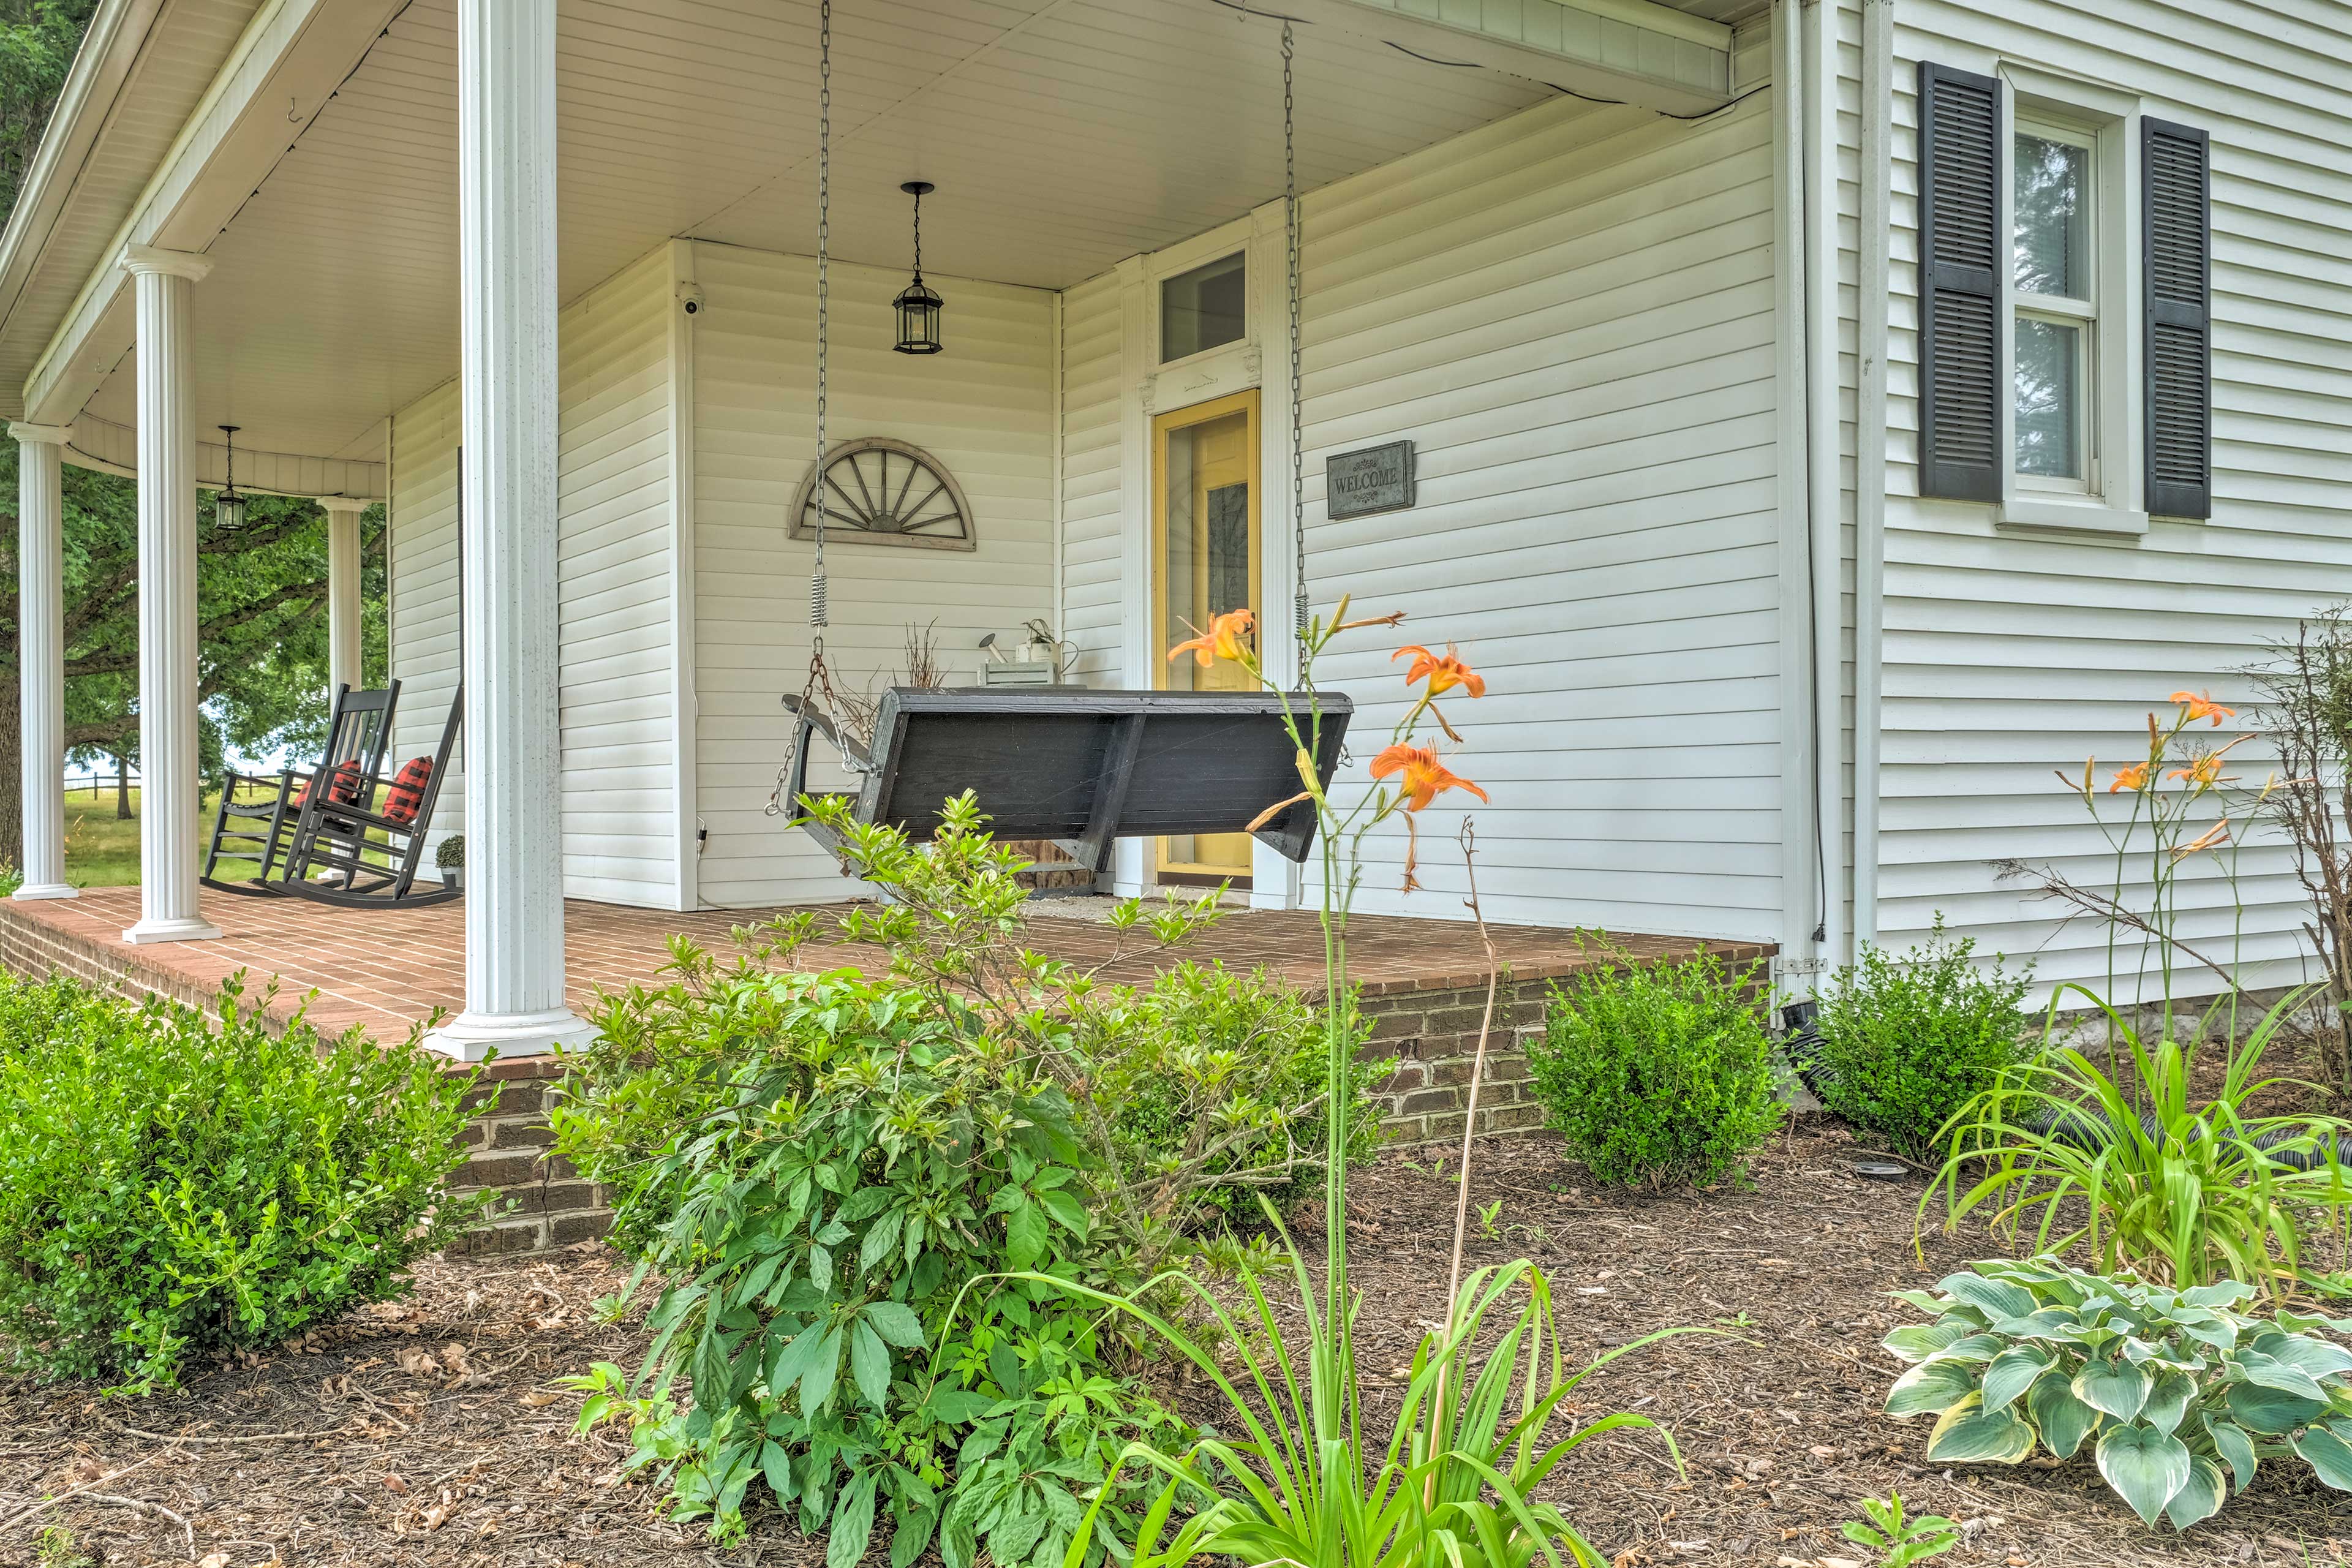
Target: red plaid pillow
[(407, 792), (344, 788)]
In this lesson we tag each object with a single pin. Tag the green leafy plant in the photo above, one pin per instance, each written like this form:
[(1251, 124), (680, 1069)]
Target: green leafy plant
[(2123, 1158), (449, 855), (1214, 1084), (174, 1186), (1658, 1074), (2179, 1392), (824, 1166), (1900, 1043), (866, 1154), (1903, 1540)]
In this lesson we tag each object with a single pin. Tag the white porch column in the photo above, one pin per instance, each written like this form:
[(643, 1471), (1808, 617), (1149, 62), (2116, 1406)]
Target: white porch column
[(343, 645), (506, 268), (162, 281), (41, 656)]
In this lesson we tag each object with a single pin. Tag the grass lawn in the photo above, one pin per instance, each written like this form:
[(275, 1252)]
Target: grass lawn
[(102, 851)]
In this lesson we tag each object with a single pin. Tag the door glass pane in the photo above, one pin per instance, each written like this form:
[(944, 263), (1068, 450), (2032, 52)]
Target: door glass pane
[(1202, 309), (2052, 248), (1205, 571), (2049, 398)]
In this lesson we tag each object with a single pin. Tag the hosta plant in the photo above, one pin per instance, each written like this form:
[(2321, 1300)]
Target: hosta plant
[(2179, 1394)]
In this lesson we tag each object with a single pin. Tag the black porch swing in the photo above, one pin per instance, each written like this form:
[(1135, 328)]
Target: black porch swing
[(1076, 768)]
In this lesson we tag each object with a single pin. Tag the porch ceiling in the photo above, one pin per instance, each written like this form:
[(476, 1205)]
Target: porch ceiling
[(1062, 136)]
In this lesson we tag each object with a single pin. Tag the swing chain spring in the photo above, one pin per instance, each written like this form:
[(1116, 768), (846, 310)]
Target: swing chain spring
[(1299, 614)]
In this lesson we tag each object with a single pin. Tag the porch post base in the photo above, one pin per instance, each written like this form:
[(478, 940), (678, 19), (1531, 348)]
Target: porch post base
[(47, 890), (173, 930), (471, 1036)]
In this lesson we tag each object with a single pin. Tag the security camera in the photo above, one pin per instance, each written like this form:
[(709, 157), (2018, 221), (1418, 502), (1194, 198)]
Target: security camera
[(690, 296)]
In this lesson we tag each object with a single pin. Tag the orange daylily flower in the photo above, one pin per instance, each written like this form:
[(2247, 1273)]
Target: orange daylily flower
[(1227, 637), (2204, 772), (2200, 705), (1444, 671), (2217, 834), (2133, 777), (1426, 777)]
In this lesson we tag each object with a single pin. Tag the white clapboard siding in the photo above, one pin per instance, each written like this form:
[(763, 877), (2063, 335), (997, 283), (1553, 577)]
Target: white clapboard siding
[(613, 596), (422, 553), (619, 799), (2010, 655), (983, 408), (1570, 313), (1090, 477)]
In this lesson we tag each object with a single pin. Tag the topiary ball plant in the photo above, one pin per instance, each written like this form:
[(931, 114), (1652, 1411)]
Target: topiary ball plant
[(1902, 1041), (2178, 1393), (1656, 1074)]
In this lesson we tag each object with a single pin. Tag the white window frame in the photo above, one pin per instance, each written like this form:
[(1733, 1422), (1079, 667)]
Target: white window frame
[(2107, 499)]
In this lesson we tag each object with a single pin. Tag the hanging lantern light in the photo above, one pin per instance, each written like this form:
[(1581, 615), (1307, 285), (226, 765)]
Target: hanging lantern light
[(228, 507), (918, 306)]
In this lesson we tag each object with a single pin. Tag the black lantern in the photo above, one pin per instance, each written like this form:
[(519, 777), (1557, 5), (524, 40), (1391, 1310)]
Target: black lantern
[(918, 307), (228, 507)]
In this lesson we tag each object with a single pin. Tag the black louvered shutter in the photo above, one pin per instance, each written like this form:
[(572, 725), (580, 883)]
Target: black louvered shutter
[(2177, 253), (1960, 259)]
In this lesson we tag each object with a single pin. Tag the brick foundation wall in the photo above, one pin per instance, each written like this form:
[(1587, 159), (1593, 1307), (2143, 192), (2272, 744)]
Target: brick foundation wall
[(547, 1202), (37, 952), (1423, 1027), (1430, 1039)]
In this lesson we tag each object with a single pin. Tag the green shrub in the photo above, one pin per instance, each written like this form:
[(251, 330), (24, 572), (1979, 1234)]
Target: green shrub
[(1658, 1074), (2183, 1392), (1904, 1043), (173, 1187), (1214, 1086)]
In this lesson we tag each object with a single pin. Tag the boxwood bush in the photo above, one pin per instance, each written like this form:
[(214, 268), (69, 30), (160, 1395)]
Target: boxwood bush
[(1658, 1074), (1903, 1042), (174, 1185)]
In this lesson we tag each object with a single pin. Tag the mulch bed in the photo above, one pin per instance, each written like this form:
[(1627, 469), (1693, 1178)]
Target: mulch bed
[(427, 1432)]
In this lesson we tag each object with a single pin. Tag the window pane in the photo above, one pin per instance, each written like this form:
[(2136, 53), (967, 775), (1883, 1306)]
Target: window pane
[(2053, 230), (2049, 398), (1201, 309)]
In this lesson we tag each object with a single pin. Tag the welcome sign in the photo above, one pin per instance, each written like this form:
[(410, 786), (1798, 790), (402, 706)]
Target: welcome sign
[(1369, 479)]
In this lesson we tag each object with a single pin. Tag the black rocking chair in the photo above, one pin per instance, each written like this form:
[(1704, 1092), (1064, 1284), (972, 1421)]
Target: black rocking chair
[(367, 856), (257, 813), (1078, 768)]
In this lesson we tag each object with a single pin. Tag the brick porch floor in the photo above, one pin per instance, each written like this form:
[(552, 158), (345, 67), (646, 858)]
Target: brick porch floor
[(387, 970)]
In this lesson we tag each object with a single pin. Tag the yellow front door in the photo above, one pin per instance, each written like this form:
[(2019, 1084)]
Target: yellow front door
[(1205, 512)]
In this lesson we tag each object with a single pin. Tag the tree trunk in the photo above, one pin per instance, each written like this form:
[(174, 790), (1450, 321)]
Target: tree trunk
[(121, 790), (12, 780)]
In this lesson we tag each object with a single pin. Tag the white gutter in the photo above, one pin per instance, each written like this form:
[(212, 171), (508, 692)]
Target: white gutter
[(1870, 465), (1824, 498)]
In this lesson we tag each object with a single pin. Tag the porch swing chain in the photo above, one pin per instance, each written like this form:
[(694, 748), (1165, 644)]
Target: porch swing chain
[(818, 617), (819, 680), (1298, 609)]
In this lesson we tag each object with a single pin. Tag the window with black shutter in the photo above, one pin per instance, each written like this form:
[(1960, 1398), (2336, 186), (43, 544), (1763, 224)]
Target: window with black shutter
[(2177, 366), (1960, 257)]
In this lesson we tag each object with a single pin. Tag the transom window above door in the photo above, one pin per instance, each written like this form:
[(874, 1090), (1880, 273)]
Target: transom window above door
[(1204, 308)]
